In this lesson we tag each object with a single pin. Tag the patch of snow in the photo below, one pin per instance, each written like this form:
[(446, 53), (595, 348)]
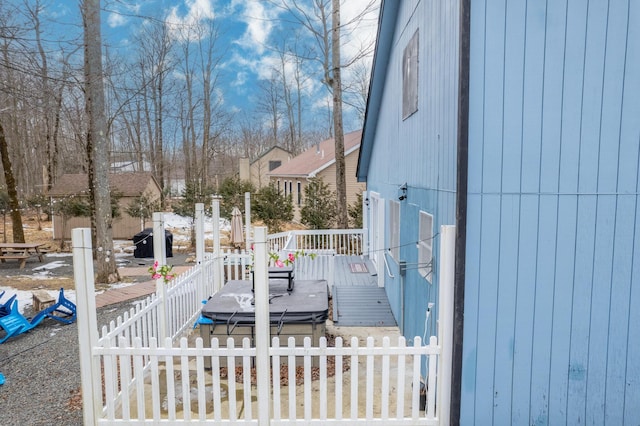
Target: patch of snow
[(59, 255), (25, 298), (51, 265)]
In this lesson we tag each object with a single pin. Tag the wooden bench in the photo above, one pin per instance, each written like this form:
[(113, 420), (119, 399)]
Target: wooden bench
[(21, 257)]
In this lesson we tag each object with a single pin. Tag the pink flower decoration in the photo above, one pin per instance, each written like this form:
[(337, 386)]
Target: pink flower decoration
[(279, 263), (291, 257)]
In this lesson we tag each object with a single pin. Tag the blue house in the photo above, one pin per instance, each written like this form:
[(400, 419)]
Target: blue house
[(518, 122)]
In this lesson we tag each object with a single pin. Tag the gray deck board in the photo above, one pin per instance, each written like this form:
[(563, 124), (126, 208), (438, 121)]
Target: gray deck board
[(357, 299)]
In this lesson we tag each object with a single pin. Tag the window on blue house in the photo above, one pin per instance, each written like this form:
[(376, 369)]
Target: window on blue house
[(425, 245), (394, 229), (410, 77)]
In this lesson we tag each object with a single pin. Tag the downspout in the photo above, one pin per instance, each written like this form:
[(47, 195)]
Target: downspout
[(461, 210)]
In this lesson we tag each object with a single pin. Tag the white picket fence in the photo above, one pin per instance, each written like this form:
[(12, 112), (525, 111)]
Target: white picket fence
[(127, 378), (153, 378)]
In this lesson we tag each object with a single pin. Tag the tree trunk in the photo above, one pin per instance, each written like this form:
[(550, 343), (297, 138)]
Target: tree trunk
[(341, 182), (16, 217), (95, 104)]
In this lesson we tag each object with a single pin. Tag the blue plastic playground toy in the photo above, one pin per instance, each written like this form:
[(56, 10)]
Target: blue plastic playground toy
[(5, 308), (1, 379), (14, 323)]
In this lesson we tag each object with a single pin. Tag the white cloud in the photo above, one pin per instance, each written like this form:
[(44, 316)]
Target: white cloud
[(184, 26), (259, 18), (115, 20)]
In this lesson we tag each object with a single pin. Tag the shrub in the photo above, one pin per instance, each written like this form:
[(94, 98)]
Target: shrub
[(319, 210)]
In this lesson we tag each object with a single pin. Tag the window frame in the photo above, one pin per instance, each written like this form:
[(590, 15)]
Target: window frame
[(394, 229), (425, 245)]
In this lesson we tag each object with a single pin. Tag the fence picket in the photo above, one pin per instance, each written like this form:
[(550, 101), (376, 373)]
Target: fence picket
[(185, 379), (125, 380), (307, 379), (171, 387), (370, 381), (215, 375), (246, 380), (339, 375), (323, 379), (155, 380), (291, 371), (202, 400), (139, 378), (354, 379), (401, 367), (415, 387), (231, 371)]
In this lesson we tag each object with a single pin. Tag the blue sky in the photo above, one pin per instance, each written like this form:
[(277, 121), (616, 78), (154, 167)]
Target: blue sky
[(249, 29)]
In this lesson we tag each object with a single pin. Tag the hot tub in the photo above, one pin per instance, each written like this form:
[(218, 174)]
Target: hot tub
[(299, 313)]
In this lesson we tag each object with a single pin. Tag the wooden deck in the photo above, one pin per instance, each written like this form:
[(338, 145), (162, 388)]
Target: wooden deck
[(357, 299), (351, 271)]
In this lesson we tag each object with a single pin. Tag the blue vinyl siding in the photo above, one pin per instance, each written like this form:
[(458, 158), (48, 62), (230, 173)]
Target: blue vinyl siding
[(553, 256), (419, 151)]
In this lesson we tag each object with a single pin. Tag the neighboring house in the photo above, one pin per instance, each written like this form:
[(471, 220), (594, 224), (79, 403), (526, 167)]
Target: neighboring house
[(520, 126), (319, 161), (130, 185), (257, 172)]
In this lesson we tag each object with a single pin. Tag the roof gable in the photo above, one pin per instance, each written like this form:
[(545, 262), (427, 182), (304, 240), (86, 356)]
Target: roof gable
[(318, 157), (274, 150), (384, 41), (128, 184)]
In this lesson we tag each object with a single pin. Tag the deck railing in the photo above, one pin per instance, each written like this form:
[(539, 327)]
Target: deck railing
[(350, 242), (319, 266)]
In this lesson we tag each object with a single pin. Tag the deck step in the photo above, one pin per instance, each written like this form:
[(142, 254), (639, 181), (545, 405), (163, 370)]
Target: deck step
[(361, 306)]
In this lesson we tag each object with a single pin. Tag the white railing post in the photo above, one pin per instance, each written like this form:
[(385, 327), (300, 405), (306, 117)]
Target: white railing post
[(160, 256), (247, 219), (87, 324), (218, 271), (365, 223), (261, 294), (199, 223), (331, 273), (445, 320)]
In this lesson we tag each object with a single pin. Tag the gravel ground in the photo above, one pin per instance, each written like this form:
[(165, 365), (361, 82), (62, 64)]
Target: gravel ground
[(42, 373), (42, 367)]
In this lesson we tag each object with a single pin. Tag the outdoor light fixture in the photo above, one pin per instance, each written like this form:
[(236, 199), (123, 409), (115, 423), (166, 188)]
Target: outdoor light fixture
[(403, 192)]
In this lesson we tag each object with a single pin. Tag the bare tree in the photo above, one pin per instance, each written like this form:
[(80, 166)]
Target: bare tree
[(270, 104), (325, 31), (342, 213), (16, 217), (98, 144)]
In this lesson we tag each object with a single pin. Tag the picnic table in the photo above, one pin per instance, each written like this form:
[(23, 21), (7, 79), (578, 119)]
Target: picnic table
[(21, 252)]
